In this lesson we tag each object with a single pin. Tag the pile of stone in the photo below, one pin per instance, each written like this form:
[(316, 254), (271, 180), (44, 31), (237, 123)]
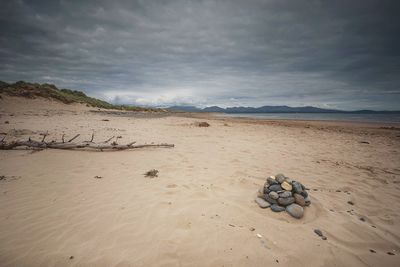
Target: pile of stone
[(280, 193)]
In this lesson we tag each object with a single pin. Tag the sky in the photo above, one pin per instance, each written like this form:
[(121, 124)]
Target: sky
[(330, 54)]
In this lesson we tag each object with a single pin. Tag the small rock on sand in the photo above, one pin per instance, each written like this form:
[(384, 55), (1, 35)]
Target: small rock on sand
[(318, 232), (295, 210), (277, 208), (262, 203)]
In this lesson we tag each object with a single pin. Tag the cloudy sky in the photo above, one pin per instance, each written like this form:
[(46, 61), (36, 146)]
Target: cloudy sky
[(337, 54)]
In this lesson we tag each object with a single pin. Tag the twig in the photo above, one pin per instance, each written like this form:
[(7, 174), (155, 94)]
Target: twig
[(91, 139), (73, 138), (108, 140), (44, 136)]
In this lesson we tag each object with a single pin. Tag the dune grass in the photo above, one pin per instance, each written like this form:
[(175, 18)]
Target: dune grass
[(67, 96)]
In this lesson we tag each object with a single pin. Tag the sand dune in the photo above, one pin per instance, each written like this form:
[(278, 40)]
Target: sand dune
[(200, 210)]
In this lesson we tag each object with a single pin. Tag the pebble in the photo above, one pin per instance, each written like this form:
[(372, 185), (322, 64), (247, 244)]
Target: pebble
[(285, 185), (262, 203), (295, 210), (318, 232), (390, 253), (271, 180), (260, 192), (277, 208), (280, 178), (297, 187), (304, 193), (273, 195), (285, 194), (308, 201), (372, 251), (299, 199), (269, 199), (350, 202), (284, 201), (275, 187)]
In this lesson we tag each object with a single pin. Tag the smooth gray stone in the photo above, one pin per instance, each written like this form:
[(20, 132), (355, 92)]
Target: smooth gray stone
[(295, 210), (277, 208), (273, 195), (262, 203), (285, 194), (297, 187), (269, 199), (284, 201), (275, 187)]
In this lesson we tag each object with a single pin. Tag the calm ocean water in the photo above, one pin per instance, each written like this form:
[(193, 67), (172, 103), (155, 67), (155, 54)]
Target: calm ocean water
[(322, 116)]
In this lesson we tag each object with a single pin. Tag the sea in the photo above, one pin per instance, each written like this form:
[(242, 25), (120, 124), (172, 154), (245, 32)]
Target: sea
[(383, 118)]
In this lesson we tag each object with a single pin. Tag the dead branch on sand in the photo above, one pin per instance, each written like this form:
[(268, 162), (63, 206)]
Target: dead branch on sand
[(86, 145)]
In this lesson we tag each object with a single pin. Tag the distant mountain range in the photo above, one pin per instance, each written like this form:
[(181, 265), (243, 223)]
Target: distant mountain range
[(274, 109)]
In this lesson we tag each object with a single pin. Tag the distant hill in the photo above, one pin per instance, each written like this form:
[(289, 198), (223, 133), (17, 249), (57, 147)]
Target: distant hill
[(274, 109), (66, 96)]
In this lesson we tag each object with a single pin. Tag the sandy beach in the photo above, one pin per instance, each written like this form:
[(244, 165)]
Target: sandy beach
[(200, 210)]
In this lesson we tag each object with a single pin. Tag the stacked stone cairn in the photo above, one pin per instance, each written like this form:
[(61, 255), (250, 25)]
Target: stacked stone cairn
[(280, 193)]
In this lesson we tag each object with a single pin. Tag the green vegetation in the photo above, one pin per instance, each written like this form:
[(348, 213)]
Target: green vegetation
[(67, 96)]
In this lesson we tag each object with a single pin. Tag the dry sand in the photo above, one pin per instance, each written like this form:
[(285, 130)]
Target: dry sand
[(200, 209)]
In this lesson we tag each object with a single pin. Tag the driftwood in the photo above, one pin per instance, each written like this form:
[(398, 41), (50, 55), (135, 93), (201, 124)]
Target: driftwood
[(86, 145)]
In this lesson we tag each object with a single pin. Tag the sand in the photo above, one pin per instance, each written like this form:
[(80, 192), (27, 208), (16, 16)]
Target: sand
[(200, 210)]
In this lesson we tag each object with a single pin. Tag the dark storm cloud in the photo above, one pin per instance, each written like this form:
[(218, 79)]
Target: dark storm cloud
[(341, 54)]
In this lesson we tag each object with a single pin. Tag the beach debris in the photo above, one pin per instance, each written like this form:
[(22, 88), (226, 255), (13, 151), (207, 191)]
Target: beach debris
[(71, 257), (98, 177), (69, 145), (203, 124), (6, 122), (105, 120), (372, 251), (350, 202), (152, 173), (364, 142), (260, 236), (283, 194), (390, 253), (320, 234), (252, 229)]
